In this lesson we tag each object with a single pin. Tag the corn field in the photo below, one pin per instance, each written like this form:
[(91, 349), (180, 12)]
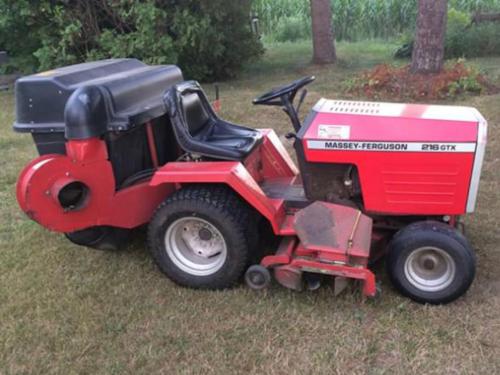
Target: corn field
[(282, 20)]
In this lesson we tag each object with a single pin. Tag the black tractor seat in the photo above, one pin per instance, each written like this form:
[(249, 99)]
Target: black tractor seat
[(198, 129)]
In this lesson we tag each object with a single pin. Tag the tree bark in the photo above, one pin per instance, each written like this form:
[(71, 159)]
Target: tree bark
[(428, 51), (322, 32)]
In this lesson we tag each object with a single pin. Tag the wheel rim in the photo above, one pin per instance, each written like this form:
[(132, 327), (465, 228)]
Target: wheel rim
[(430, 269), (195, 246)]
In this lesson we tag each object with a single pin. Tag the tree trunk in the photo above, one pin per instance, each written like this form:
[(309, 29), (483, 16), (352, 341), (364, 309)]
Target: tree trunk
[(428, 51), (322, 32)]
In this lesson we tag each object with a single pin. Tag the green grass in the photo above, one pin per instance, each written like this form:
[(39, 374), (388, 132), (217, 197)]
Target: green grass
[(66, 309)]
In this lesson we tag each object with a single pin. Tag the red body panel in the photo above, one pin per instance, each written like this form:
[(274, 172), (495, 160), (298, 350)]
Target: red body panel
[(231, 173), (270, 160), (426, 165), (378, 128), (274, 159), (411, 183), (86, 161)]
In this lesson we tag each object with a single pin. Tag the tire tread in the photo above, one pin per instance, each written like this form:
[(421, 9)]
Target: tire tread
[(411, 234), (229, 208)]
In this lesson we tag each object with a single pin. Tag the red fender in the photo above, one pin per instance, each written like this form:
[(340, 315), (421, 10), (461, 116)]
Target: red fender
[(231, 173)]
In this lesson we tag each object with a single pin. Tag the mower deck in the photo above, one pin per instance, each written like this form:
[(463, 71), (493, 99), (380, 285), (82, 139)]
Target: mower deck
[(330, 239)]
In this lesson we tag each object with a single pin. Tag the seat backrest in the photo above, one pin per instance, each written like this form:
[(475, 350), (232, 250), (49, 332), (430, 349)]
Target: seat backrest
[(195, 114)]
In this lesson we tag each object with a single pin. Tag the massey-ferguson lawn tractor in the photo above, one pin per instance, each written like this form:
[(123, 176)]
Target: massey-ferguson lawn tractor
[(123, 144)]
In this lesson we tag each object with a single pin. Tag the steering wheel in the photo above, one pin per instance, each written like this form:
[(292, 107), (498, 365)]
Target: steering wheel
[(290, 89)]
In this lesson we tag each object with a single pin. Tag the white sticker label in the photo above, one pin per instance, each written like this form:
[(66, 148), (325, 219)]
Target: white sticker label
[(334, 131), (390, 146)]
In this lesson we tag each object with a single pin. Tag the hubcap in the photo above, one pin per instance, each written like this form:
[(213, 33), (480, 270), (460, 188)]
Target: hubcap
[(430, 269), (195, 246), (257, 278)]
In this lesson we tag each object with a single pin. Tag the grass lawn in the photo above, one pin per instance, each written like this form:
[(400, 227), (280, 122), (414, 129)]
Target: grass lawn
[(66, 309)]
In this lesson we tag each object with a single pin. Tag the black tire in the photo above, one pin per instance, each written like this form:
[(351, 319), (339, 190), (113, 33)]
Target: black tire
[(223, 210), (442, 242), (100, 237), (257, 277)]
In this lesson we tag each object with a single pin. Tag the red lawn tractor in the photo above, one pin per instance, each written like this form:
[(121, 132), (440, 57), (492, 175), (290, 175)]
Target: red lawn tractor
[(123, 144)]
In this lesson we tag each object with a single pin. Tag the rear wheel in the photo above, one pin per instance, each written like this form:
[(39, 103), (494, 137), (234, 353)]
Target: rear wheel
[(430, 262), (200, 237)]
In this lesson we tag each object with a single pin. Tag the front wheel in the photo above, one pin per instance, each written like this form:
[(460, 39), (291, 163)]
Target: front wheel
[(199, 237), (430, 262)]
